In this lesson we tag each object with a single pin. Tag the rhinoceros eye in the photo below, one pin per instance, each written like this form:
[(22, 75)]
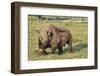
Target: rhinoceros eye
[(49, 33)]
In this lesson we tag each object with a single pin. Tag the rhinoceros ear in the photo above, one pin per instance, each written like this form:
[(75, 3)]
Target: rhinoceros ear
[(38, 31)]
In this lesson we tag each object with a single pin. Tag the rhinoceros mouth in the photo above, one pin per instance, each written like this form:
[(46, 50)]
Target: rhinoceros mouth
[(42, 52)]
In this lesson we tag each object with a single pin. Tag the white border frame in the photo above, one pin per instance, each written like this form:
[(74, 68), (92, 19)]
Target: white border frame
[(24, 64)]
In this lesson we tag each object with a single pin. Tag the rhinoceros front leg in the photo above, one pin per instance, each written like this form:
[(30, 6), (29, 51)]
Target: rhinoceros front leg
[(53, 49), (60, 50)]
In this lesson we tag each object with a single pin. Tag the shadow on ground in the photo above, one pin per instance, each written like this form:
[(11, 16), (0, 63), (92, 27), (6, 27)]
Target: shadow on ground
[(77, 47)]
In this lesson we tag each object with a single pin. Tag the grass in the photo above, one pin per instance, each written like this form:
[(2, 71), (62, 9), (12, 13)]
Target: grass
[(79, 33)]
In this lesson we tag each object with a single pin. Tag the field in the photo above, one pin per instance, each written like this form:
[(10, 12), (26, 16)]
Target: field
[(79, 32)]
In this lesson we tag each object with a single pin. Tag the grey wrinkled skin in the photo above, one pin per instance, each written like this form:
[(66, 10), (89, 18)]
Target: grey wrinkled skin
[(55, 37)]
